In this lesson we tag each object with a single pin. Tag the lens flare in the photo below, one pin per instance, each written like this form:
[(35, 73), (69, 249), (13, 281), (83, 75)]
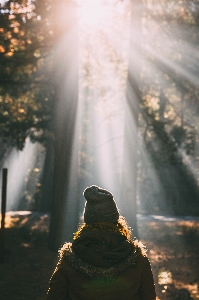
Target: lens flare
[(91, 12)]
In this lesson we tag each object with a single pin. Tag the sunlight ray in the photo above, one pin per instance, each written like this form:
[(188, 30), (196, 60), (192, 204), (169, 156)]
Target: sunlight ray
[(102, 90), (176, 67), (25, 165)]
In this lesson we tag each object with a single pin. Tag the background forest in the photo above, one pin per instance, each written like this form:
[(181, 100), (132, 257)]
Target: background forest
[(107, 95), (167, 179)]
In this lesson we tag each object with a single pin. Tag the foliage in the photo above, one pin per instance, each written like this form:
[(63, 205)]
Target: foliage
[(170, 94), (169, 76), (169, 107), (25, 58)]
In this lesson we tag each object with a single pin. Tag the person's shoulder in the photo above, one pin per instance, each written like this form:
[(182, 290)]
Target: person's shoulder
[(65, 252), (65, 249), (141, 251), (139, 248)]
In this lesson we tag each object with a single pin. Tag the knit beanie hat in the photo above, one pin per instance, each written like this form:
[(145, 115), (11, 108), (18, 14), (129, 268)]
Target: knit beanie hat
[(100, 206)]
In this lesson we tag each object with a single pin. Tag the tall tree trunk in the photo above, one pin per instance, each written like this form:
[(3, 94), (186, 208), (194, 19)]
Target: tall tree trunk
[(129, 179), (47, 178), (63, 221)]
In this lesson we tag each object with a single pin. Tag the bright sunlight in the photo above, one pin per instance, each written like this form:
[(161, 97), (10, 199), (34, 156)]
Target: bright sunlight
[(92, 12)]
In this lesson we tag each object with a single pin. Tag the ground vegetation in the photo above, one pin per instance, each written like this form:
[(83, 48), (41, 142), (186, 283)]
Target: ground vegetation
[(172, 248)]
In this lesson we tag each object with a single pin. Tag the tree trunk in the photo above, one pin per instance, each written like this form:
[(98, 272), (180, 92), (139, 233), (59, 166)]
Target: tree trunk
[(129, 178), (47, 178), (63, 221)]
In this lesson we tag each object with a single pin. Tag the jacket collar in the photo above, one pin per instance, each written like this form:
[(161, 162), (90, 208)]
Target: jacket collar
[(125, 255)]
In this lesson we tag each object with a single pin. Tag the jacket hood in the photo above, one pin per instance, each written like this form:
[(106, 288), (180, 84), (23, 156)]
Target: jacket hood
[(102, 249), (102, 254)]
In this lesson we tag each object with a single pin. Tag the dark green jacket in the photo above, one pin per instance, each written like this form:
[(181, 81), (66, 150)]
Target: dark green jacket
[(102, 266)]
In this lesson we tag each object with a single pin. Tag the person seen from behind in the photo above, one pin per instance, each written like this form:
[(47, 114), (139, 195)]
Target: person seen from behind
[(102, 262)]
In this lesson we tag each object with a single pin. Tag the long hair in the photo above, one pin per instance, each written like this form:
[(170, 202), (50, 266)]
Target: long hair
[(120, 226)]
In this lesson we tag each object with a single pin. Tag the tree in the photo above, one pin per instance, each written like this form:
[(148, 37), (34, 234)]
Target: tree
[(39, 97), (26, 99), (170, 101), (133, 98), (39, 92), (65, 213)]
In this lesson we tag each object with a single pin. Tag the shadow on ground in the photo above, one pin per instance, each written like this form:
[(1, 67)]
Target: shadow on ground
[(173, 249)]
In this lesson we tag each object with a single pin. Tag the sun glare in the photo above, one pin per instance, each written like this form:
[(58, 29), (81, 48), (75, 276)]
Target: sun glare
[(92, 12)]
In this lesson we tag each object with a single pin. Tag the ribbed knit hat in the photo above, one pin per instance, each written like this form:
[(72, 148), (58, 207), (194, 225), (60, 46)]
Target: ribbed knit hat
[(100, 206)]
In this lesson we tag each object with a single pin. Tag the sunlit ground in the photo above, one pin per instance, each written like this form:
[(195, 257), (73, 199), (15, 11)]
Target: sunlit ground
[(172, 249), (169, 245)]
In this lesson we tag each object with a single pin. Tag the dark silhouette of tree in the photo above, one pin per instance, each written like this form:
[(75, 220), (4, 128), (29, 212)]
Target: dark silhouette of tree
[(38, 56), (133, 98), (65, 210), (26, 95)]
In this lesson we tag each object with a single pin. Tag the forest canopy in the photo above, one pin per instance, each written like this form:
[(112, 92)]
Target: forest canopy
[(25, 77), (168, 86)]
